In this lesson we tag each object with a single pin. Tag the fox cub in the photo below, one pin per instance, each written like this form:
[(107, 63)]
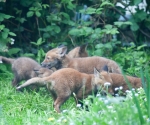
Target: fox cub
[(23, 69), (64, 82), (85, 64), (118, 80)]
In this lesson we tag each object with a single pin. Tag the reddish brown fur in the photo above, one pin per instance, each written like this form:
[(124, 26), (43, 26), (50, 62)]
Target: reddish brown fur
[(23, 68), (85, 64), (64, 82), (118, 80), (78, 52)]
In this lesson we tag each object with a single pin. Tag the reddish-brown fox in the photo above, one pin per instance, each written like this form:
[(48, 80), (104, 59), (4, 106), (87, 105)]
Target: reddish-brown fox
[(64, 82), (85, 64)]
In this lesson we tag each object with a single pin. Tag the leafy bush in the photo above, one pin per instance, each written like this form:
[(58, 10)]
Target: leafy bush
[(71, 23)]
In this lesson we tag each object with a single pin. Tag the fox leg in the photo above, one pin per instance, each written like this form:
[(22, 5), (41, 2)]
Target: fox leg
[(58, 102), (15, 82)]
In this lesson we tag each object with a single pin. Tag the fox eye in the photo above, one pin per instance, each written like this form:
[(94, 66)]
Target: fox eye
[(48, 58)]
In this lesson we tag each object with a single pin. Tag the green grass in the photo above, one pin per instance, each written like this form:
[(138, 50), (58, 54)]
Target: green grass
[(18, 108), (36, 108)]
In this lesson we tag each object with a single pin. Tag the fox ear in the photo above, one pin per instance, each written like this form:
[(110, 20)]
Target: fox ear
[(62, 51), (83, 48), (105, 68), (96, 72)]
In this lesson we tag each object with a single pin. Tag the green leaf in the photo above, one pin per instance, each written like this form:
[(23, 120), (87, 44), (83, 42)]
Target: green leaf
[(119, 24), (98, 52), (1, 19), (106, 3), (30, 14), (4, 35), (139, 47), (108, 46), (65, 15), (136, 2), (100, 45), (2, 27), (45, 6), (108, 26), (70, 6), (7, 16), (114, 31), (28, 55), (37, 13), (6, 30), (99, 10), (87, 31), (89, 10), (34, 43), (39, 41), (49, 28), (13, 51), (46, 35), (134, 27), (22, 20), (57, 29), (140, 15), (75, 32), (12, 34), (32, 8)]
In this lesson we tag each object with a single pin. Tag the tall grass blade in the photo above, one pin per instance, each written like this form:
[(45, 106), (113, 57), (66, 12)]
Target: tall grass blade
[(135, 100), (148, 91)]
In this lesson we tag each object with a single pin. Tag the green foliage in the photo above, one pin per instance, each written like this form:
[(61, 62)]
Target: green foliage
[(67, 21), (40, 52), (132, 59)]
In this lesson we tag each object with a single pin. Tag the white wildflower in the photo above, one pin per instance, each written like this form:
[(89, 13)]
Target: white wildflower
[(113, 111), (136, 94), (94, 123), (109, 107), (12, 41), (86, 102), (106, 101), (120, 87), (1, 61), (110, 122), (98, 95), (106, 84), (148, 120), (64, 111), (133, 89), (128, 91), (144, 116), (116, 89), (78, 105)]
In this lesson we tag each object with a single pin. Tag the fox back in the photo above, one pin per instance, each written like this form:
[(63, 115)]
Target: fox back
[(118, 80), (64, 82)]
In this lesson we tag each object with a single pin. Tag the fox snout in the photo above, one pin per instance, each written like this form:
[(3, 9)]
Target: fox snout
[(50, 64), (43, 64)]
